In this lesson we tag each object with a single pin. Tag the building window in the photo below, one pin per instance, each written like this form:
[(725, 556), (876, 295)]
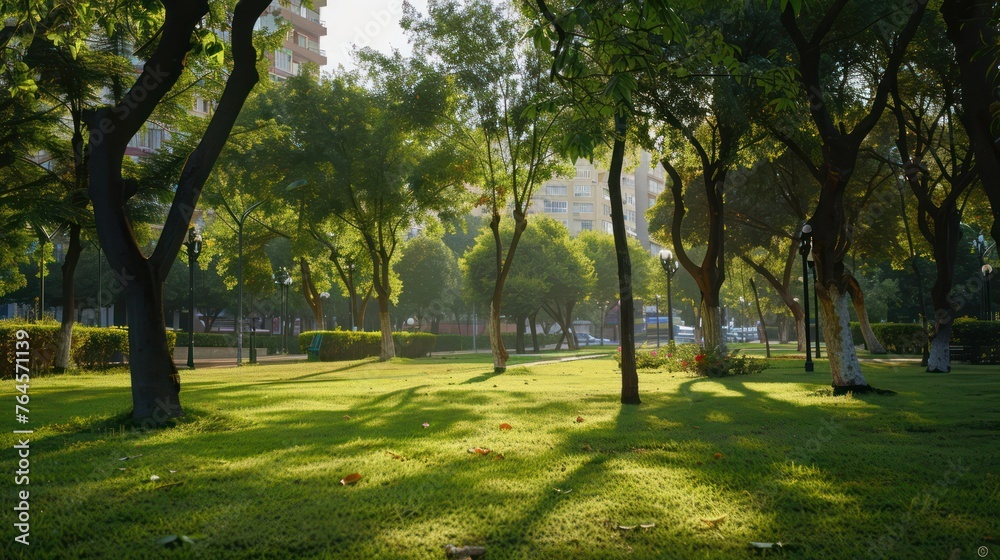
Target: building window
[(556, 190), (630, 215), (283, 60), (583, 173), (556, 206), (581, 190), (607, 194), (586, 225), (583, 207), (607, 209), (302, 41), (608, 228), (629, 199)]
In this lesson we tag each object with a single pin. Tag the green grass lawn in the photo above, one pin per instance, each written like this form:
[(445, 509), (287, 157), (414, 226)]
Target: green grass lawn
[(253, 471)]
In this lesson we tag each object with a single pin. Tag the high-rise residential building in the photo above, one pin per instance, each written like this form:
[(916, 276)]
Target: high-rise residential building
[(301, 44), (582, 202)]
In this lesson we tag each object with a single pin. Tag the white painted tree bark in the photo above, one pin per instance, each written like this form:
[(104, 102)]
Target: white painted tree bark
[(836, 323)]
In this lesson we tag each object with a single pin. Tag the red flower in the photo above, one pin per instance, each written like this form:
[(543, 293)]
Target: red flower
[(670, 355), (684, 363), (699, 357), (619, 348)]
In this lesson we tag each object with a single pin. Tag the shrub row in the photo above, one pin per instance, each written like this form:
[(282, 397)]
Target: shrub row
[(228, 340), (457, 342), (356, 345), (692, 358), (980, 338), (93, 347)]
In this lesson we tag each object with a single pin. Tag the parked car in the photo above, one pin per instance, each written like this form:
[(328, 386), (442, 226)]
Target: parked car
[(683, 335), (586, 339)]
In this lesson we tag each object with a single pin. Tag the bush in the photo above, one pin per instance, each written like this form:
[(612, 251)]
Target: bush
[(41, 341), (691, 358), (99, 348), (980, 338), (93, 347), (897, 338), (357, 345)]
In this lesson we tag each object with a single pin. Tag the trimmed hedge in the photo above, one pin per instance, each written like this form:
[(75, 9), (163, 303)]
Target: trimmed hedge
[(356, 345), (228, 340), (981, 340), (457, 342), (897, 338), (93, 347)]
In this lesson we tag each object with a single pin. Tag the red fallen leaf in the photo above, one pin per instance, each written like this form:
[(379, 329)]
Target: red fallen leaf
[(718, 455), (479, 451), (579, 419), (498, 456), (350, 479), (506, 426)]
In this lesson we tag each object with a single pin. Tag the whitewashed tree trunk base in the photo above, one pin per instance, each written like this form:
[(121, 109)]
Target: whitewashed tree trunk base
[(940, 358), (836, 321)]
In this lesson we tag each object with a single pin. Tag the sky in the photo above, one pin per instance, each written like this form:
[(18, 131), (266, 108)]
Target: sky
[(374, 24)]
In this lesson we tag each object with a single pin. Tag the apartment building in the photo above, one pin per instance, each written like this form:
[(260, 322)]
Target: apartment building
[(301, 44), (582, 202)]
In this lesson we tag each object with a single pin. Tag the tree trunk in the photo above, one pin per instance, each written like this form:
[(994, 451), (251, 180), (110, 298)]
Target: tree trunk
[(495, 332), (945, 245), (435, 325), (762, 329), (800, 331), (155, 381), (858, 298), (313, 300), (836, 323), (534, 331), (519, 337), (630, 377), (712, 327), (65, 341), (385, 324)]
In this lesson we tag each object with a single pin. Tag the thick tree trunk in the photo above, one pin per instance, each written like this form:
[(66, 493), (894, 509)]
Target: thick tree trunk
[(945, 245), (836, 323), (630, 377), (435, 326), (65, 340), (385, 324), (858, 299), (155, 381), (800, 331), (940, 358), (711, 318)]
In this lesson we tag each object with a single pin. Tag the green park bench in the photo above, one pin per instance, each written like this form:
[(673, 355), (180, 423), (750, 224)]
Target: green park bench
[(313, 350)]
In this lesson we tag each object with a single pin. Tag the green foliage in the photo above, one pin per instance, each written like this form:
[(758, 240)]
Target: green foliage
[(456, 342), (95, 348), (897, 338), (226, 340), (980, 338), (694, 359), (92, 348), (357, 345)]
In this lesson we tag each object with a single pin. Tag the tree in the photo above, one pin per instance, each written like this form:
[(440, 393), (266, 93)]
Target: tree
[(155, 381), (428, 271), (381, 163), (972, 30), (823, 88), (507, 119)]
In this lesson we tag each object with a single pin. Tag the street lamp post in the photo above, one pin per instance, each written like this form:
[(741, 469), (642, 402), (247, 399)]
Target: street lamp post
[(805, 247), (288, 319), (670, 267), (657, 320), (812, 267), (193, 245), (240, 220), (982, 248), (987, 273), (741, 332)]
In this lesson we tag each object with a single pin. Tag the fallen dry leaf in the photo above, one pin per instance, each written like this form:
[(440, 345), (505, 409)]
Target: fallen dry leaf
[(647, 525), (127, 457), (579, 419), (586, 448), (718, 455), (498, 456), (346, 417), (426, 425), (561, 491), (626, 527), (713, 523), (479, 451), (396, 456), (350, 479), (506, 426), (154, 478)]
